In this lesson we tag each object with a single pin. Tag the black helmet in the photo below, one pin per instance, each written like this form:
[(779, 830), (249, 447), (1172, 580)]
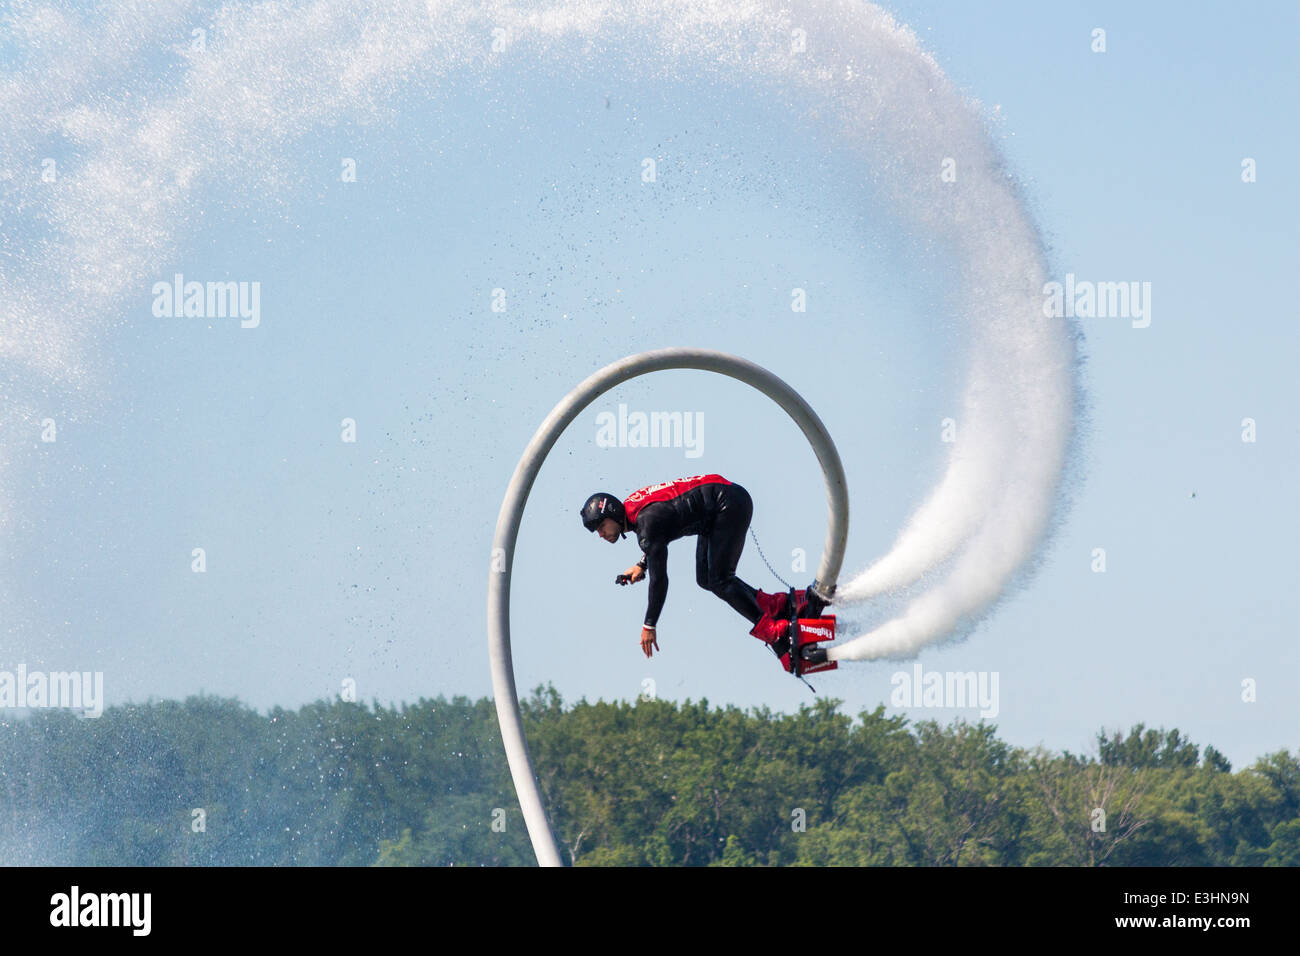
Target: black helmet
[(601, 506)]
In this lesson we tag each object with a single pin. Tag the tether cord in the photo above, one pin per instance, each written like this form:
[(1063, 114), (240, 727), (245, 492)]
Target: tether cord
[(767, 562)]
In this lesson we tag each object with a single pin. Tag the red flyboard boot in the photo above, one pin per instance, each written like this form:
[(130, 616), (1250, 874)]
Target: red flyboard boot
[(778, 605), (775, 633)]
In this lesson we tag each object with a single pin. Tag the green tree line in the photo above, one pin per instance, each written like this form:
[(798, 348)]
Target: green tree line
[(212, 782)]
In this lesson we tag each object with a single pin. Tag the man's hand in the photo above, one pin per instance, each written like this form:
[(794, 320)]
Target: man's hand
[(648, 640), (632, 575)]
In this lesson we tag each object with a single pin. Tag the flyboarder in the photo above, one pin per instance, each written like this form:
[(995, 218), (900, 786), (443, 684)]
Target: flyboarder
[(718, 512)]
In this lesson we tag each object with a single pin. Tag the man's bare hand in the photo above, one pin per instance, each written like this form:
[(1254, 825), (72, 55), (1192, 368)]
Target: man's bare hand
[(648, 640), (633, 574)]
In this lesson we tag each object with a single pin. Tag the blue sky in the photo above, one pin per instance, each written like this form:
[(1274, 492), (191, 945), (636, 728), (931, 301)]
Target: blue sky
[(330, 560)]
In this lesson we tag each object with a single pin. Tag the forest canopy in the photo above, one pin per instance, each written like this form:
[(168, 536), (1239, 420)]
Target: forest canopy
[(209, 781)]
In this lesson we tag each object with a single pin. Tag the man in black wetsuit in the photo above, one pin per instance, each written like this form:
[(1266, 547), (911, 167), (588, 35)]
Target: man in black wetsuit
[(718, 511)]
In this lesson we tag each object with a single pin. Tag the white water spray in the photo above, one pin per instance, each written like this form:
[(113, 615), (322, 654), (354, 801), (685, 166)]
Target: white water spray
[(269, 73)]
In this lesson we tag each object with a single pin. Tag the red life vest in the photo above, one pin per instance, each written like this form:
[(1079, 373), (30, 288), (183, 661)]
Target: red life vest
[(666, 490)]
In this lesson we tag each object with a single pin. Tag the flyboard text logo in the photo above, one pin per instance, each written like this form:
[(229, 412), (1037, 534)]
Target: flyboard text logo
[(946, 689), (820, 631), (208, 300), (102, 909), (1100, 300), (72, 690), (651, 430)]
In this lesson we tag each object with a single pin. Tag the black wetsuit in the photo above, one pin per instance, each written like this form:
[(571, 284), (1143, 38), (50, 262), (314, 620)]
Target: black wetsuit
[(719, 514)]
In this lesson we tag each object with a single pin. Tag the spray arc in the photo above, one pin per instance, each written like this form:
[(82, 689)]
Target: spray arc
[(252, 96), (882, 99)]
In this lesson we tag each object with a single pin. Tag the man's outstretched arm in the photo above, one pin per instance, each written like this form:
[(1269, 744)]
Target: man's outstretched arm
[(657, 568)]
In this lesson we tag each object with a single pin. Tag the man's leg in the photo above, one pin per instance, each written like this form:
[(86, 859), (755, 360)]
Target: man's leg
[(725, 542), (702, 561)]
